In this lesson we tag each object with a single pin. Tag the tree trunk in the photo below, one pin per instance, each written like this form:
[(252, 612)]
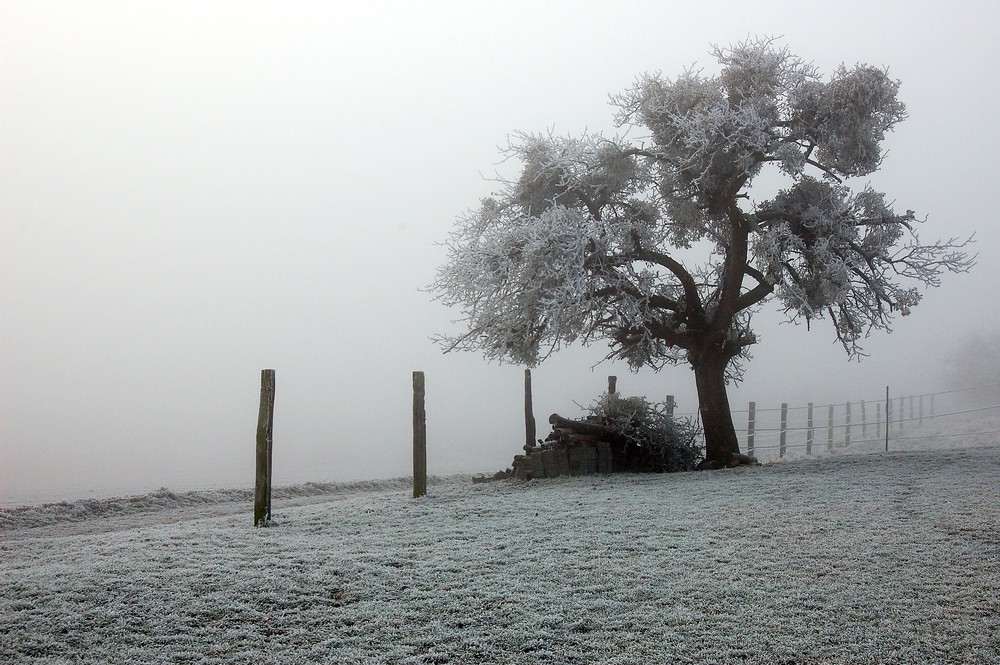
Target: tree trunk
[(713, 404)]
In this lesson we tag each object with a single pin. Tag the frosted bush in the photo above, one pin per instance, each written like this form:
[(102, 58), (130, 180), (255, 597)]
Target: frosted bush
[(666, 443)]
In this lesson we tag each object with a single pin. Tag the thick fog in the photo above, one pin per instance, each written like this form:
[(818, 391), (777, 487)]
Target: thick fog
[(191, 192)]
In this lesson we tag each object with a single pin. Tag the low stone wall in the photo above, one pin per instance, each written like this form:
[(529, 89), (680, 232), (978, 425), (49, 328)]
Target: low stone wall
[(582, 459)]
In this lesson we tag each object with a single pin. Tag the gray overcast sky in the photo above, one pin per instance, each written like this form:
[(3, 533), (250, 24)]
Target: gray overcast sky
[(191, 192)]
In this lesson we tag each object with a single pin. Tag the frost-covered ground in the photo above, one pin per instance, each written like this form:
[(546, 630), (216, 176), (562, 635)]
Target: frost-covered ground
[(877, 558)]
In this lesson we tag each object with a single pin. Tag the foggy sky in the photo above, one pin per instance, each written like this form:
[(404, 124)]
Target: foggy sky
[(191, 192)]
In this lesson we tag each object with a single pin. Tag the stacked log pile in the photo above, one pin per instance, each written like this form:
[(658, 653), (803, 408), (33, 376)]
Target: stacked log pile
[(577, 448)]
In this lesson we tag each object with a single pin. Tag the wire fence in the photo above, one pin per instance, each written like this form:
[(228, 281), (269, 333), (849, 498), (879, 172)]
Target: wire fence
[(872, 421)]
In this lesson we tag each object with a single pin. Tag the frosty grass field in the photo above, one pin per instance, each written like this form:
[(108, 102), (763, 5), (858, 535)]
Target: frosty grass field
[(845, 558)]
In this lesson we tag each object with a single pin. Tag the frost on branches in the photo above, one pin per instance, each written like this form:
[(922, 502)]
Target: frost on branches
[(583, 245)]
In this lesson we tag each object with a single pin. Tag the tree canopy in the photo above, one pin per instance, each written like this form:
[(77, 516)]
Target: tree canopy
[(586, 244)]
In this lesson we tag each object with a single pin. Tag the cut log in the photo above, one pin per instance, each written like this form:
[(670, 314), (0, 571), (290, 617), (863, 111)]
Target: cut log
[(568, 436), (579, 427)]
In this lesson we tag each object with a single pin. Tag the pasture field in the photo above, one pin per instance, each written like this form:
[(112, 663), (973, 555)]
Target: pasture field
[(869, 558)]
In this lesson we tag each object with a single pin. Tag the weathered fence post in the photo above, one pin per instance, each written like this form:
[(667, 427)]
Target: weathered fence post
[(911, 408), (612, 385), (888, 417), (902, 417), (669, 404), (829, 429), (419, 437), (783, 437), (847, 426), (864, 422), (265, 429), (751, 427), (529, 415), (888, 413), (809, 431), (921, 420)]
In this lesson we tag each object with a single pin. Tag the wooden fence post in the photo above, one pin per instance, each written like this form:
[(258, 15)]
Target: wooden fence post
[(265, 429), (809, 431), (419, 437), (847, 426), (888, 412), (829, 429), (612, 385), (901, 417), (783, 437), (751, 427), (864, 422), (888, 417), (669, 404), (921, 420), (529, 416)]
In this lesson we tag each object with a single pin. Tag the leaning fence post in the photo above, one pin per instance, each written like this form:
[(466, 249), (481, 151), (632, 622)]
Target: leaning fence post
[(529, 416), (265, 429), (809, 431), (419, 437), (783, 437), (751, 427)]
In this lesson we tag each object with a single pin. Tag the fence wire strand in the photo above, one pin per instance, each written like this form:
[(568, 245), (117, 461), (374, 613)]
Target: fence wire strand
[(767, 436), (822, 432)]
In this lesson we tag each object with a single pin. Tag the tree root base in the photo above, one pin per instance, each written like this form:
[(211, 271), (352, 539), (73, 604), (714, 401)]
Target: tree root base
[(734, 460)]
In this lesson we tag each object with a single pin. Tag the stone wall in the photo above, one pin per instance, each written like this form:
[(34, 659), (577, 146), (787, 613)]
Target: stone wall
[(580, 459)]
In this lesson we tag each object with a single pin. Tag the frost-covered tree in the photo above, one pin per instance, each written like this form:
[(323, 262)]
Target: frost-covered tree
[(591, 242)]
